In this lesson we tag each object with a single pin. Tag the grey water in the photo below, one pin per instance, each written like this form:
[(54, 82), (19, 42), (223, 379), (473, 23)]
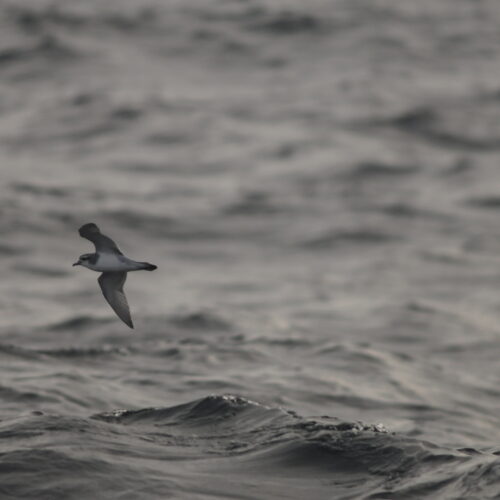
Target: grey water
[(319, 185)]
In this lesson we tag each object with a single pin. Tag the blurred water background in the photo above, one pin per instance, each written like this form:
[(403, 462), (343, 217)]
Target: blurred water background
[(319, 184)]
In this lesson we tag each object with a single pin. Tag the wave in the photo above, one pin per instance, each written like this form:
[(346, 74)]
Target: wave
[(224, 442), (287, 22), (263, 432), (266, 438), (16, 351), (437, 127), (254, 203), (377, 169), (48, 47), (200, 320), (79, 323), (40, 190), (263, 18), (64, 352), (361, 237), (161, 226), (486, 202), (212, 410), (85, 352), (62, 474), (407, 210), (35, 19), (51, 272), (8, 250), (11, 395)]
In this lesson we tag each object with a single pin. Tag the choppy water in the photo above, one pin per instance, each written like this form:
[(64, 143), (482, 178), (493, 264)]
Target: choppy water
[(319, 185)]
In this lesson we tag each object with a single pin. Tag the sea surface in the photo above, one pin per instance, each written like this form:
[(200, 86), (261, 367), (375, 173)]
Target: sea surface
[(319, 185)]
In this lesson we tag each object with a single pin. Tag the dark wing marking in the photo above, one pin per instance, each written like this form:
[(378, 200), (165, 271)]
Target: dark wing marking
[(112, 288), (102, 243)]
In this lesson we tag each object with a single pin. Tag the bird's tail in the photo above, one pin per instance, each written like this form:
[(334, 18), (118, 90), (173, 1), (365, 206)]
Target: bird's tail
[(148, 267)]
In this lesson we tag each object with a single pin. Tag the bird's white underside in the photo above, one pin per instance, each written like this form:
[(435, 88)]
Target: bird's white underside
[(112, 262)]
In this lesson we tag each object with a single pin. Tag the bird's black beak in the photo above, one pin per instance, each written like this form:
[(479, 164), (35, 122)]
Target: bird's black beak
[(76, 263)]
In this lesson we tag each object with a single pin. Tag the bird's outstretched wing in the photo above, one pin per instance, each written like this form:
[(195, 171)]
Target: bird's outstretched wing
[(112, 288), (102, 243)]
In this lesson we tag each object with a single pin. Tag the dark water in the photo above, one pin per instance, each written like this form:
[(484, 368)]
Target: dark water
[(319, 185)]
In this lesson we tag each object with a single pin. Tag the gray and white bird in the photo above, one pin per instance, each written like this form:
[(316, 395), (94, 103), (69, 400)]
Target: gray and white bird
[(114, 266)]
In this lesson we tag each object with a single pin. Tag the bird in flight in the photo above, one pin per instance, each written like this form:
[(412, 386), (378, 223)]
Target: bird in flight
[(114, 266)]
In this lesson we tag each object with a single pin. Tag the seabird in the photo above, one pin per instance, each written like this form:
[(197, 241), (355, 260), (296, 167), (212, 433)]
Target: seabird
[(114, 266)]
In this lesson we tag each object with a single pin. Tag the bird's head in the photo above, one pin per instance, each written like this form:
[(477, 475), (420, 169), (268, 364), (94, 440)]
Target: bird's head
[(83, 260)]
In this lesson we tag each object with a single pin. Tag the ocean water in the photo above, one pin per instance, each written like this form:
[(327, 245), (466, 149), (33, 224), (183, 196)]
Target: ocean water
[(319, 185)]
